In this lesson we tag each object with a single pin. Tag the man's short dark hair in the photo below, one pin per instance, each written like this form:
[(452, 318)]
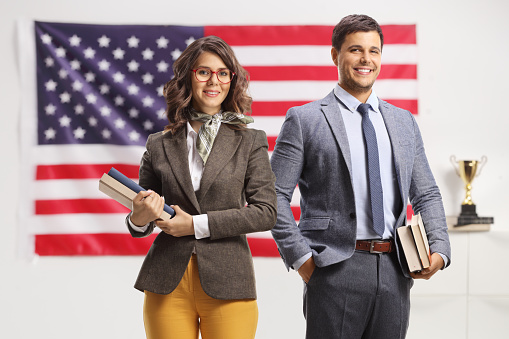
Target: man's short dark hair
[(352, 24)]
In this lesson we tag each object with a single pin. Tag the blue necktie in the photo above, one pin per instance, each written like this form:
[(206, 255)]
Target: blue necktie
[(375, 183)]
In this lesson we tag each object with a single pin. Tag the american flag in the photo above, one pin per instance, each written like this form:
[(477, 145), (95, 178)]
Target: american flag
[(99, 95)]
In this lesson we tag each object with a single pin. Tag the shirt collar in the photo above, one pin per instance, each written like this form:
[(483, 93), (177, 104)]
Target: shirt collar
[(352, 102), (190, 130)]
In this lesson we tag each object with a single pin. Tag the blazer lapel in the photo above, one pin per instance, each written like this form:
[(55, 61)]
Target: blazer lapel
[(223, 149), (392, 128), (332, 113), (175, 147)]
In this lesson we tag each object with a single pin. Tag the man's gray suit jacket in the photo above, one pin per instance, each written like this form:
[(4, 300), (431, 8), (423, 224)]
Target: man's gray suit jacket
[(312, 151)]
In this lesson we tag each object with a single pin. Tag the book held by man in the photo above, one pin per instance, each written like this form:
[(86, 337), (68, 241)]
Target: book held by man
[(415, 244), (122, 189)]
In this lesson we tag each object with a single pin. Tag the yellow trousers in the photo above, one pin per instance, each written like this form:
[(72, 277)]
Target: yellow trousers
[(188, 310)]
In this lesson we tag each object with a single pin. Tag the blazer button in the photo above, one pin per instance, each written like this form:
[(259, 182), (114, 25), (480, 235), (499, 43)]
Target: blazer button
[(352, 215)]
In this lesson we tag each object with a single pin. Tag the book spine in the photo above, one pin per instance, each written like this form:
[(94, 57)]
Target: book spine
[(115, 174)]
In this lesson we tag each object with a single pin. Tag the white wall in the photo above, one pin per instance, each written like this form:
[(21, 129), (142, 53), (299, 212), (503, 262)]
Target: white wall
[(463, 111)]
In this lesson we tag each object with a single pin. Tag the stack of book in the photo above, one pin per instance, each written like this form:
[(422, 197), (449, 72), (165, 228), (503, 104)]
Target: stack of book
[(415, 244), (123, 190)]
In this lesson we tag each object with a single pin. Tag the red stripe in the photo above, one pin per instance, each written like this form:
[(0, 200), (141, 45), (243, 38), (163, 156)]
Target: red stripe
[(121, 244), (399, 34), (299, 35), (65, 206), (272, 35), (410, 105), (274, 108), (272, 142), (409, 212), (322, 73), (84, 171)]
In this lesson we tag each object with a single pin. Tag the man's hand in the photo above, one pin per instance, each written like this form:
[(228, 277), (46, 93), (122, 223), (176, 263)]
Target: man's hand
[(147, 206), (178, 226), (437, 263), (307, 269)]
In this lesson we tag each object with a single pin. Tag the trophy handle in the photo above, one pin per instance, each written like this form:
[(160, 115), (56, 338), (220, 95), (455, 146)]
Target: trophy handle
[(483, 162), (455, 164)]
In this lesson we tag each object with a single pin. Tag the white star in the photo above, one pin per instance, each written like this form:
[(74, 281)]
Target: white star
[(133, 113), (79, 109), (65, 121), (104, 41), (118, 54), (133, 42), (62, 74), (46, 39), (147, 78), (147, 101), (75, 40), (162, 42), (50, 133), (148, 125), (104, 65), (133, 66), (50, 109), (134, 136), (176, 53), (105, 111), (92, 121), (105, 89), (50, 86), (161, 114), (75, 65), (106, 133), (190, 40), (49, 62), (162, 66), (148, 54), (77, 86), (119, 101), (65, 97), (79, 133), (89, 53), (90, 77), (60, 51), (119, 123), (91, 98), (160, 90), (118, 77), (133, 89)]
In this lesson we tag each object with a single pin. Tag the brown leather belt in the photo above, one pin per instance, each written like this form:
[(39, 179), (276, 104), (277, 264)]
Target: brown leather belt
[(375, 246)]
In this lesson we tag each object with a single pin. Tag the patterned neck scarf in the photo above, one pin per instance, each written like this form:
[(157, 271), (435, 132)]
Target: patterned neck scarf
[(208, 130)]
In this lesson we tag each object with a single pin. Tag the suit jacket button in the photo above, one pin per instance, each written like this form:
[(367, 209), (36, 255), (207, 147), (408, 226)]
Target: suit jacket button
[(352, 215)]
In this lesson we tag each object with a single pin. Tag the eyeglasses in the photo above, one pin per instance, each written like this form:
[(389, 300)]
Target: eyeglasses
[(224, 76)]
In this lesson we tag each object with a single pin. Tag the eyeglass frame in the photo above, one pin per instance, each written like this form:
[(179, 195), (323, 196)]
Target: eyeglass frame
[(212, 72)]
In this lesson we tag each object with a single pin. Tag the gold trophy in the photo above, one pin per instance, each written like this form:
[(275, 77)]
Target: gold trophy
[(467, 170)]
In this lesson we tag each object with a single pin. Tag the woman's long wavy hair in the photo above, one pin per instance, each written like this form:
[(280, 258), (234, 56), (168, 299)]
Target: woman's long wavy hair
[(178, 91)]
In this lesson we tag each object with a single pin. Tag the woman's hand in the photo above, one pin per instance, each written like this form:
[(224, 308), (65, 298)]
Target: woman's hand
[(147, 207), (178, 226)]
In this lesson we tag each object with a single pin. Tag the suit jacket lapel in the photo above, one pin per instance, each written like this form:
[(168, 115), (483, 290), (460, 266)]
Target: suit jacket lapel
[(223, 149), (332, 113), (391, 124), (175, 147)]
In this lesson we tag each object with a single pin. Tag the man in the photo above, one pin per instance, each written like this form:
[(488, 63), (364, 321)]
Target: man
[(357, 161)]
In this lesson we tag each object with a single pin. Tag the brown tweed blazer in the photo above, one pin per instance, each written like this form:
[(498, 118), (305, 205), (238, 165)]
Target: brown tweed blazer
[(237, 172)]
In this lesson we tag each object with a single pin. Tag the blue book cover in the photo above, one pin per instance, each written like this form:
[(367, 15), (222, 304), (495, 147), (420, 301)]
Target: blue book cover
[(118, 176)]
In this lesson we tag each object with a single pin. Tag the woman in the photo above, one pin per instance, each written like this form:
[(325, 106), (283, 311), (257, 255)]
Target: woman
[(198, 275)]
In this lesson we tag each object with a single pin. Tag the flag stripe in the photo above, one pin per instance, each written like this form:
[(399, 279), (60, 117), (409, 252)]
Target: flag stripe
[(66, 206), (299, 35), (121, 244), (82, 171), (329, 73)]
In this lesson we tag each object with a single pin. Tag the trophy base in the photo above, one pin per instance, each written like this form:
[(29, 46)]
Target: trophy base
[(468, 216)]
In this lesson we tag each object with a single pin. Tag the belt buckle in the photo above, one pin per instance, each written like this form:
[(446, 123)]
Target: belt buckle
[(372, 246)]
